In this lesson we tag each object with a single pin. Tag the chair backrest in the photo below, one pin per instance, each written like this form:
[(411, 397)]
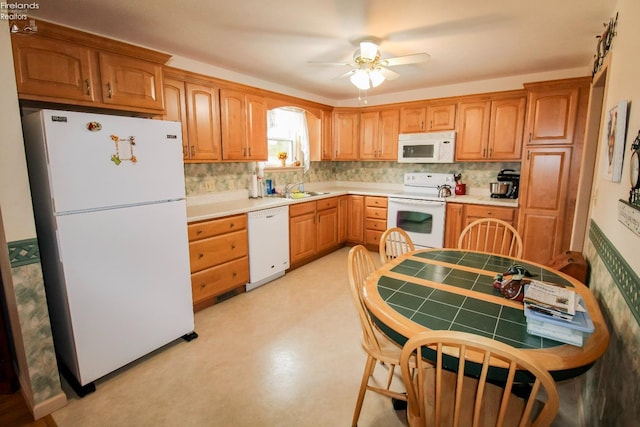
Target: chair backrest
[(491, 235), (393, 243), (360, 266), (442, 397)]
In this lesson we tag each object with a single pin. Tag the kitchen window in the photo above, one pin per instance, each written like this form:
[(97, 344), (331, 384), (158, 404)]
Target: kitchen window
[(287, 131)]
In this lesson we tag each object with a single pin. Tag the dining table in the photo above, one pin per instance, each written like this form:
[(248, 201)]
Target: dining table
[(452, 289)]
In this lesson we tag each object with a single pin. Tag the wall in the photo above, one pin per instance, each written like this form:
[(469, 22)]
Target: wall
[(612, 387), (19, 256), (235, 176)]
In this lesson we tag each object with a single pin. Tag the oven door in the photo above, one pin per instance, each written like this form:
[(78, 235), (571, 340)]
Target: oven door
[(423, 220)]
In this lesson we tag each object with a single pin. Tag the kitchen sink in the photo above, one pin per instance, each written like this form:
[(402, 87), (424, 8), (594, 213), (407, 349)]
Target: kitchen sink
[(305, 194)]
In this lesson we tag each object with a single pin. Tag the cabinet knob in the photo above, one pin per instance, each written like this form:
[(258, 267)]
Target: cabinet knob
[(200, 255), (232, 225), (203, 285), (109, 91), (88, 85), (234, 274), (233, 247), (199, 232)]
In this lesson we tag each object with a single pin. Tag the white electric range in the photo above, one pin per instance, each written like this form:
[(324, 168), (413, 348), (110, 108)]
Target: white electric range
[(419, 210)]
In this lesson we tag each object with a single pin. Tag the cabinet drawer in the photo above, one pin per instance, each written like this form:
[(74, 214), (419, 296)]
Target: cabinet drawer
[(380, 202), (210, 228), (302, 208), (217, 250), (372, 237), (375, 213), (482, 211), (219, 279), (375, 224), (327, 203)]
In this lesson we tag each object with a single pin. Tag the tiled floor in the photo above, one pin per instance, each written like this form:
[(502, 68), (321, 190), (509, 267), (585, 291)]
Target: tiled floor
[(285, 354)]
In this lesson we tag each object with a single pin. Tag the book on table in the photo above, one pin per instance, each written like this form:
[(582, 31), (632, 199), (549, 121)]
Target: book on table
[(554, 320)]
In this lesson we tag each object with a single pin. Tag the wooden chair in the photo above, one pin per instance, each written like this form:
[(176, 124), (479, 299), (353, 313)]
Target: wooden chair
[(439, 397), (393, 243), (491, 235), (377, 346)]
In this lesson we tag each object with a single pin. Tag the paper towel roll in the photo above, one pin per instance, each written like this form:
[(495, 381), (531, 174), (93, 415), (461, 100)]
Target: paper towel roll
[(254, 186)]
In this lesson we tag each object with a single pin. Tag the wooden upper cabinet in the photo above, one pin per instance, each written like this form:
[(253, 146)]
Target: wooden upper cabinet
[(346, 131), (506, 128), (53, 69), (244, 126), (428, 118), (413, 119), (490, 129), (130, 81), (66, 66), (441, 117), (175, 103), (203, 118), (472, 139), (551, 117), (379, 134)]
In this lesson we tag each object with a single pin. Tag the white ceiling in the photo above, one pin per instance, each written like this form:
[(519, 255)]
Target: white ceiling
[(275, 40)]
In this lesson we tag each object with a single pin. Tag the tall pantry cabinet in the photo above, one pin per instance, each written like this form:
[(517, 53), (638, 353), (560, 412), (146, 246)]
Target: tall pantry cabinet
[(554, 133)]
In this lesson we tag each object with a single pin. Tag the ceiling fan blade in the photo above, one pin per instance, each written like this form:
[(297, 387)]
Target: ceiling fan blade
[(406, 59), (347, 74), (348, 64), (389, 74)]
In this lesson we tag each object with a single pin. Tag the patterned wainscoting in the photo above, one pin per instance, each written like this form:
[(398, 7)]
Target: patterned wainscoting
[(612, 387), (33, 313)]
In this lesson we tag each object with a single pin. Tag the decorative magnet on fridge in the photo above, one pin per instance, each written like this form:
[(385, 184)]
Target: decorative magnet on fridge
[(130, 142)]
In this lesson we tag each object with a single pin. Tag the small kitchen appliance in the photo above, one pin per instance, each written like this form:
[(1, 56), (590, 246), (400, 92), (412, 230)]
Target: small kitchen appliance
[(506, 187)]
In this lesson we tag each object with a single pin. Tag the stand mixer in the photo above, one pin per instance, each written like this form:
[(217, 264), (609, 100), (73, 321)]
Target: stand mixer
[(507, 185)]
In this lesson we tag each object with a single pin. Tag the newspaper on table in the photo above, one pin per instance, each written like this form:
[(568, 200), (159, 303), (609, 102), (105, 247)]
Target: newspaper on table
[(552, 300)]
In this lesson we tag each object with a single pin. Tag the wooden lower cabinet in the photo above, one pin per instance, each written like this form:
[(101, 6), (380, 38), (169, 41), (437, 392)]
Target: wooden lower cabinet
[(313, 229), (459, 215), (355, 220), (375, 220), (219, 257)]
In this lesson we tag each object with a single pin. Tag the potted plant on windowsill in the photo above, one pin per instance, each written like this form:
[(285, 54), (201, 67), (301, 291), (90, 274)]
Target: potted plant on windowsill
[(282, 156)]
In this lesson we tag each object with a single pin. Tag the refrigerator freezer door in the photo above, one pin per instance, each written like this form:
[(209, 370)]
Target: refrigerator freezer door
[(94, 162), (127, 280)]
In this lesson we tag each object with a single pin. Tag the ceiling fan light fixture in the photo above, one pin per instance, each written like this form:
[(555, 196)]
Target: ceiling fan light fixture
[(360, 79), (376, 77), (368, 51)]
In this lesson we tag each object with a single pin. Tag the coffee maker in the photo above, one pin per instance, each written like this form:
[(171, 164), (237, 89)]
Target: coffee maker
[(512, 178)]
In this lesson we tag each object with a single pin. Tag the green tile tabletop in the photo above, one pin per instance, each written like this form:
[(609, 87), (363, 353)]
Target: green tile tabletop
[(452, 289)]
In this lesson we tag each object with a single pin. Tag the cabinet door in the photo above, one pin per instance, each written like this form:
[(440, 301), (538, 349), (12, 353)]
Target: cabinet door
[(175, 108), (473, 130), (203, 122), (356, 219), (369, 135), (543, 198), (388, 130), (454, 224), (327, 229), (52, 69), (327, 135), (441, 117), (302, 237), (130, 81), (506, 129), (551, 117), (412, 119), (257, 127), (233, 125), (346, 135)]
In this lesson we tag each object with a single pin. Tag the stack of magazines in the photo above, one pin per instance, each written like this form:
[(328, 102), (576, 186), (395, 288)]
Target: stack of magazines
[(557, 313)]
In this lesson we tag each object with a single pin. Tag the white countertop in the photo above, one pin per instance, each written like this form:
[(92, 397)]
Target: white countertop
[(216, 205)]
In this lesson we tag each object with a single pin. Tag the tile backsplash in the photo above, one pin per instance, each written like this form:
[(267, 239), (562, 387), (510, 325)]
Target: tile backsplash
[(201, 178)]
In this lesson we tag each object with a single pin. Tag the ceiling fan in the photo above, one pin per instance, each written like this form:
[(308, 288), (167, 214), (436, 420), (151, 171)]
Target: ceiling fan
[(368, 69)]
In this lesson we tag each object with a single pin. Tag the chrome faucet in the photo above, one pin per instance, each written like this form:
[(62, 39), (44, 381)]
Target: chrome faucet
[(289, 187)]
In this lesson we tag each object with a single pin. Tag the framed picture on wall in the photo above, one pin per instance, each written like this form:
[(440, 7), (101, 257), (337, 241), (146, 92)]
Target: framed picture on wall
[(614, 141)]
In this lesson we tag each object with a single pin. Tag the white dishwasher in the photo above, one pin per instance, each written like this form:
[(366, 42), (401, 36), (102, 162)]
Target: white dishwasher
[(268, 245)]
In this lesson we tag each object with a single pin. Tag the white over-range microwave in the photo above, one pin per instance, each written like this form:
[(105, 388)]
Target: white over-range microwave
[(429, 147)]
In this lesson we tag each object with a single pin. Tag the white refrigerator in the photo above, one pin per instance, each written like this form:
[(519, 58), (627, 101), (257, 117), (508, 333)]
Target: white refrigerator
[(109, 202)]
